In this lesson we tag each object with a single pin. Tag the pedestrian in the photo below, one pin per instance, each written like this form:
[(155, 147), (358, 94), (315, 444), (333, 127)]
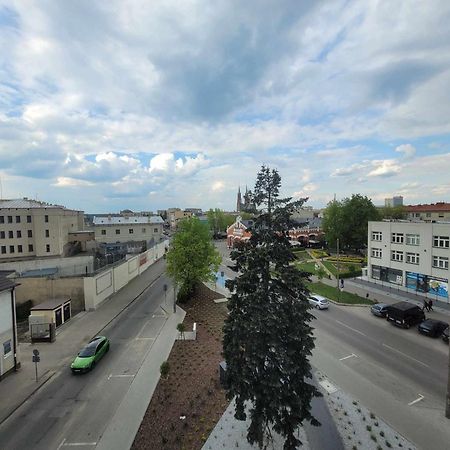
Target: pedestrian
[(367, 296), (425, 305), (430, 305)]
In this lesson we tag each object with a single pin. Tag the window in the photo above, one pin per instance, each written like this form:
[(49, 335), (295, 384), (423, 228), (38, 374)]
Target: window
[(103, 232), (412, 239), (30, 247), (143, 230), (155, 230), (46, 219), (441, 216), (3, 249), (440, 262), (377, 235), (2, 235), (428, 214), (7, 350), (397, 238), (10, 234), (9, 219), (412, 258), (2, 219), (117, 231), (47, 233), (47, 248), (17, 219), (130, 231), (30, 233), (11, 249), (441, 241), (396, 255), (28, 219), (19, 249), (376, 253), (19, 234)]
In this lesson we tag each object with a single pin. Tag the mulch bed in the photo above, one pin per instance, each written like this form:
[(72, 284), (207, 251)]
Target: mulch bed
[(192, 388)]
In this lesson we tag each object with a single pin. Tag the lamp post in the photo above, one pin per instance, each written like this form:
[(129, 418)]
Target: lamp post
[(174, 297), (338, 287)]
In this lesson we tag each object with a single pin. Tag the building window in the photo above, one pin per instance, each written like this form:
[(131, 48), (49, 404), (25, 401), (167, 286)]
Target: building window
[(19, 234), (17, 219), (130, 231), (11, 234), (3, 249), (397, 238), (428, 214), (46, 219), (412, 239), (47, 233), (30, 247), (376, 252), (441, 216), (2, 219), (117, 231), (377, 235), (28, 219), (19, 249), (412, 258), (396, 255), (9, 219), (47, 248), (103, 232), (440, 262), (11, 249), (2, 235), (155, 230), (441, 241), (30, 233), (7, 349), (143, 230)]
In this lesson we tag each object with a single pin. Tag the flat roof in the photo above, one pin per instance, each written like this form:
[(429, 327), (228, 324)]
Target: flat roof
[(39, 272), (129, 220), (49, 305)]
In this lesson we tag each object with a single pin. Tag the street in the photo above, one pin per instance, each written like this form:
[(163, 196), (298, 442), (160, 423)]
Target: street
[(75, 410)]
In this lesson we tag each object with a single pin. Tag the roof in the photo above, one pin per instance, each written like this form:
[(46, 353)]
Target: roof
[(404, 306), (6, 283), (39, 272), (50, 304), (127, 220), (433, 207), (25, 203)]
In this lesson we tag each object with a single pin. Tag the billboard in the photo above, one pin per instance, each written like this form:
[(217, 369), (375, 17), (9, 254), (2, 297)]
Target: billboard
[(427, 284)]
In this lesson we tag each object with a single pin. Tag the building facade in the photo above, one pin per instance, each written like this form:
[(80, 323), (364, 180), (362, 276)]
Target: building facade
[(8, 327), (410, 255), (393, 202), (436, 211), (29, 228), (120, 229), (174, 215)]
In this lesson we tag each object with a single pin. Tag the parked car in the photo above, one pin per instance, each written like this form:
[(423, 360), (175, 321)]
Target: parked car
[(404, 314), (88, 356), (432, 327), (445, 336), (380, 309), (318, 301)]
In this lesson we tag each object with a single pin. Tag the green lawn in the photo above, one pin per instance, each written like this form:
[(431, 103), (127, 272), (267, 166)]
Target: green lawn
[(307, 266), (301, 255), (333, 294)]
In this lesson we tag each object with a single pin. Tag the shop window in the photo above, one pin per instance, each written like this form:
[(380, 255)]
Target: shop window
[(7, 349)]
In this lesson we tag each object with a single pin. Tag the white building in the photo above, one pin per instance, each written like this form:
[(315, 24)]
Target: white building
[(411, 255), (8, 329), (29, 228), (393, 202), (118, 229)]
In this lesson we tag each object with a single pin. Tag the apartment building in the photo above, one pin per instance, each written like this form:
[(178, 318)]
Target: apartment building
[(118, 229), (174, 215), (435, 211), (411, 255), (30, 228)]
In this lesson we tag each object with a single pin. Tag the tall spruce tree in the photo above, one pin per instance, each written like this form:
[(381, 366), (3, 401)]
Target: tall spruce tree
[(267, 336)]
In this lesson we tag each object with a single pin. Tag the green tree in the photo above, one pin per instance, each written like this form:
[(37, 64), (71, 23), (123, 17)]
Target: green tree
[(393, 212), (267, 336), (332, 223), (192, 257)]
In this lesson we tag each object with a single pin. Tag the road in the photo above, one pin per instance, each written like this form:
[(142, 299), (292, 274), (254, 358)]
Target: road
[(73, 411)]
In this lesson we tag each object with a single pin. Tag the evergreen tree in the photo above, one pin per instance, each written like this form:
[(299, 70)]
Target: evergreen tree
[(267, 336)]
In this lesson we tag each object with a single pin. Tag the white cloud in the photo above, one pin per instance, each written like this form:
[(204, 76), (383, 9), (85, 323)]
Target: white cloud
[(407, 150), (384, 168)]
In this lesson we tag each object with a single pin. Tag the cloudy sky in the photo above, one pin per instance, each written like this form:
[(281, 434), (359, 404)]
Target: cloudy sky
[(144, 104)]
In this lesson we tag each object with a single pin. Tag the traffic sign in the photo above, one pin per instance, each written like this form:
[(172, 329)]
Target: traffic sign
[(36, 352)]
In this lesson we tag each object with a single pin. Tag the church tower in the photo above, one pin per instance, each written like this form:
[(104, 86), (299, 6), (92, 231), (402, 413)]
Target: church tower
[(239, 200)]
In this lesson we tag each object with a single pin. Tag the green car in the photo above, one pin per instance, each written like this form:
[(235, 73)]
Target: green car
[(90, 355)]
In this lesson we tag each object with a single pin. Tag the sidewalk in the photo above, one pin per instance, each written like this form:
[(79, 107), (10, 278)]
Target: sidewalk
[(18, 387)]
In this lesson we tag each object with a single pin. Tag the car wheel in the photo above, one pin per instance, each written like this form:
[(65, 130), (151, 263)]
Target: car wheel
[(407, 325), (92, 365), (107, 349), (317, 307)]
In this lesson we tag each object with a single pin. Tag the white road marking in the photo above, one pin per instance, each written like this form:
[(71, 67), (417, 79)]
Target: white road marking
[(346, 357), (62, 443), (80, 444), (421, 397), (163, 316), (350, 328), (329, 387), (144, 339), (120, 376), (405, 355)]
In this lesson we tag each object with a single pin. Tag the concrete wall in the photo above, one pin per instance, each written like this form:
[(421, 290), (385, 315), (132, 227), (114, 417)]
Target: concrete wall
[(6, 332), (42, 289)]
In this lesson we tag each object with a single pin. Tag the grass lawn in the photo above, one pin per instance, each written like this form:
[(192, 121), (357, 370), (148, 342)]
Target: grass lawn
[(344, 267), (301, 255), (307, 266), (333, 294)]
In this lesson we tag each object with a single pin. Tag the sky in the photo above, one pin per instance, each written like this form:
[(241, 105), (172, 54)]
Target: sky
[(132, 104)]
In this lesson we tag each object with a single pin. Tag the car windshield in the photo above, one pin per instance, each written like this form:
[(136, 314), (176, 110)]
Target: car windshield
[(87, 352)]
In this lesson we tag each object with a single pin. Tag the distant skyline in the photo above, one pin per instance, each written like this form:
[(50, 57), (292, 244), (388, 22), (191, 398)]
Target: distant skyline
[(148, 105)]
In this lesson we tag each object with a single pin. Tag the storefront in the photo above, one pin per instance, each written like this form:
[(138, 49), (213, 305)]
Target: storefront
[(387, 274), (427, 284)]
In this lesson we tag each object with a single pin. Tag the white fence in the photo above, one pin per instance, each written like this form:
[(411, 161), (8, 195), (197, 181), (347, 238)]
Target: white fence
[(103, 285)]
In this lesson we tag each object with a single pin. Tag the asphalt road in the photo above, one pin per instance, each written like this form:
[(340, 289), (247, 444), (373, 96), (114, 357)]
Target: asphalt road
[(399, 374), (73, 411)]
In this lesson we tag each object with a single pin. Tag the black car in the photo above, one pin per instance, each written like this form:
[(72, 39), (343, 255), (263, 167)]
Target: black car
[(404, 314), (380, 309), (432, 327), (445, 336)]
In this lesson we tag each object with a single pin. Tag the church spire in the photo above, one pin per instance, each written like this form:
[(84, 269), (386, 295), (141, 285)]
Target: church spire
[(239, 200)]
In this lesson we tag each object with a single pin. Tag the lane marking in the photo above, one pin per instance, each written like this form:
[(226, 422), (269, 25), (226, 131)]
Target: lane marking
[(62, 443), (329, 387), (144, 339), (349, 356), (405, 355), (79, 444), (350, 328), (421, 397), (143, 326), (120, 376), (159, 316)]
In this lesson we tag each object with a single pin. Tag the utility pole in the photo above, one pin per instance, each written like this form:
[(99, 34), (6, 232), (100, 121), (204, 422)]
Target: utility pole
[(174, 297), (338, 287), (447, 403)]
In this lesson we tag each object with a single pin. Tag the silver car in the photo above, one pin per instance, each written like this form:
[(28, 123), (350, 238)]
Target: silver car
[(318, 301)]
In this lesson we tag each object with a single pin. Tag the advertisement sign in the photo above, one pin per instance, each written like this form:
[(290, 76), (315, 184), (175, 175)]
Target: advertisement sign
[(427, 284)]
